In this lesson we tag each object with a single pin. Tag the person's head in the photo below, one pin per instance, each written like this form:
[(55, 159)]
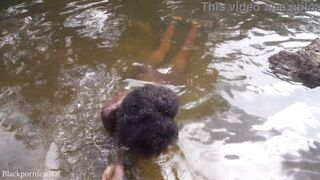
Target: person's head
[(145, 122)]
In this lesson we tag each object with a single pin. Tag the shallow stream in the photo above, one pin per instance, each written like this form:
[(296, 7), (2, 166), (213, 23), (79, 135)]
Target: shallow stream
[(62, 60)]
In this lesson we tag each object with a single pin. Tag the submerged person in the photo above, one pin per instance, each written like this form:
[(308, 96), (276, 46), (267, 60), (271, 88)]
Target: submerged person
[(142, 120)]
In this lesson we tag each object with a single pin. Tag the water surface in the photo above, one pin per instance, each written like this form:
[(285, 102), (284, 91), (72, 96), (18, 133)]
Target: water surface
[(62, 60)]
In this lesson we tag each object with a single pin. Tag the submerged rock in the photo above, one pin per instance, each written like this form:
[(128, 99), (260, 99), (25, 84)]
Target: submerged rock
[(302, 65)]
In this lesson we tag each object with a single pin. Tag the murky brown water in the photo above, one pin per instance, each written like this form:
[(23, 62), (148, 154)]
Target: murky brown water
[(61, 60)]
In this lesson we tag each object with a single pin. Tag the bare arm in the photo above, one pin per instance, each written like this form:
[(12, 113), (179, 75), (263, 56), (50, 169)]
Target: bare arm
[(115, 171)]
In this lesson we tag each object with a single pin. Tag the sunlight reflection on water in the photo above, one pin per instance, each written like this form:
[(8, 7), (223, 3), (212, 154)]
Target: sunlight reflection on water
[(60, 61)]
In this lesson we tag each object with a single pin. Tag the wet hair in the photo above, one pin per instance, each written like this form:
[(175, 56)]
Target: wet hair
[(145, 122)]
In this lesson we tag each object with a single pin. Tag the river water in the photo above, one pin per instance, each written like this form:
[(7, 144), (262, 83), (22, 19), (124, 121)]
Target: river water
[(61, 60)]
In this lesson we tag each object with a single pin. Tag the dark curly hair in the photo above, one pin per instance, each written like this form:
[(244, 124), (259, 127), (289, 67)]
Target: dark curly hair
[(145, 122)]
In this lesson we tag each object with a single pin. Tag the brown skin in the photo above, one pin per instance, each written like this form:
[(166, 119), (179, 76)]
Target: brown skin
[(115, 171), (109, 112)]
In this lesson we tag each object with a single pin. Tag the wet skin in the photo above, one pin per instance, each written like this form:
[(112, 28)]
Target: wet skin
[(115, 171)]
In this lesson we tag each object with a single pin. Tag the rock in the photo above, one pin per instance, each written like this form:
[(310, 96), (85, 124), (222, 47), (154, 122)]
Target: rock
[(302, 65)]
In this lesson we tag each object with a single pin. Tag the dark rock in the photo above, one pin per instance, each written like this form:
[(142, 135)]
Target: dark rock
[(302, 65)]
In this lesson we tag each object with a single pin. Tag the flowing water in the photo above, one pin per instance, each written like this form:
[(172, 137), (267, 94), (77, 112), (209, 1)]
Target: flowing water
[(62, 60)]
